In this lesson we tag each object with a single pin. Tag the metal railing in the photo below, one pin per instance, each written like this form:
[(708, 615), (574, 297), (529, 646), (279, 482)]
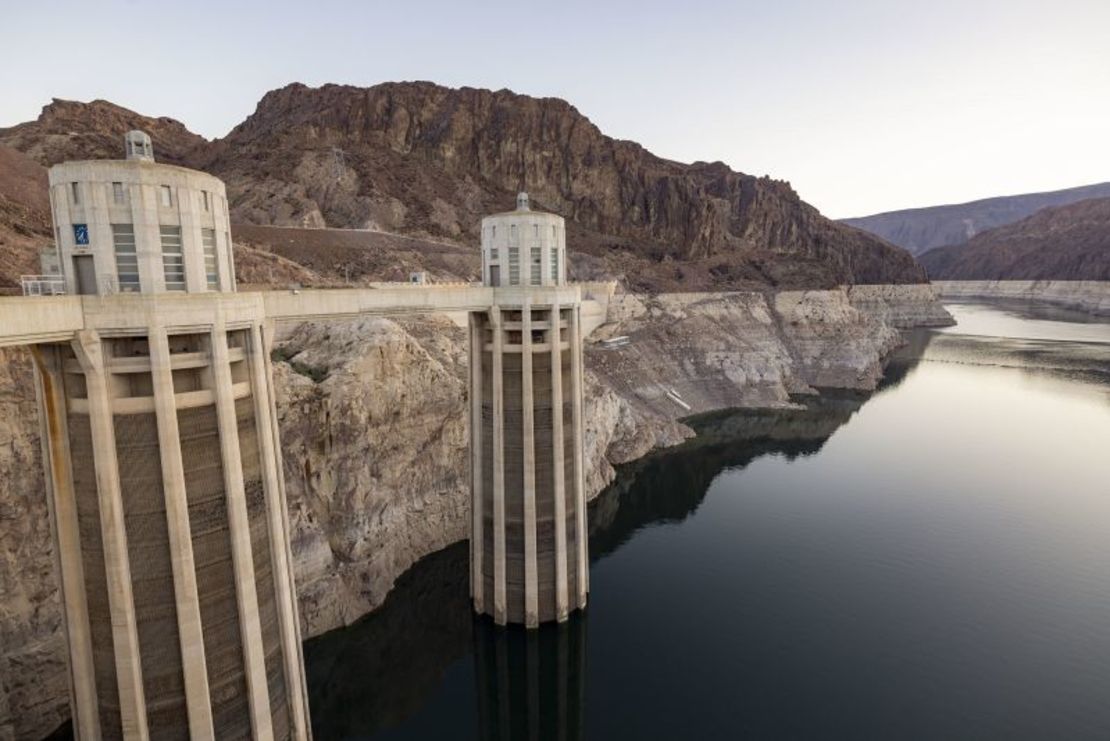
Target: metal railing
[(43, 285)]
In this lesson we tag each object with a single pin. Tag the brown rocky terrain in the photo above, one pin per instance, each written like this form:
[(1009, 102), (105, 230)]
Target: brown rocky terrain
[(424, 159), (922, 229), (25, 224), (71, 130), (428, 161), (334, 257), (1062, 243)]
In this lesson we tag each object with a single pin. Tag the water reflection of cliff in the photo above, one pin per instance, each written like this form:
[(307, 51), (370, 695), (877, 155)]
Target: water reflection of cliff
[(669, 485), (1082, 358), (377, 672), (371, 676)]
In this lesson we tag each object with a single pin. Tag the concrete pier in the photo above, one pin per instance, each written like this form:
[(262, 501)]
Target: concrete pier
[(170, 521), (528, 530)]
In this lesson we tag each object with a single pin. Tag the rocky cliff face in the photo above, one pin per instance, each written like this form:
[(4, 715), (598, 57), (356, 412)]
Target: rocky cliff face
[(922, 229), (374, 428), (903, 307), (373, 425), (426, 160), (1090, 296), (1064, 243), (72, 130), (419, 157), (694, 353), (25, 226), (34, 686)]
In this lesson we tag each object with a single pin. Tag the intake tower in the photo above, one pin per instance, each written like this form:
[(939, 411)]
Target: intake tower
[(168, 504), (528, 533)]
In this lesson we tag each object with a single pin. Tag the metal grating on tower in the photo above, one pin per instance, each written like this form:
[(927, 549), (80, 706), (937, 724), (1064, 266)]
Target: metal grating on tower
[(263, 570), (151, 574), (223, 648), (96, 585)]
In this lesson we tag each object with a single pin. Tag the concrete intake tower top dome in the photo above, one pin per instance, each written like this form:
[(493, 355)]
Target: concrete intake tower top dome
[(135, 226), (524, 247)]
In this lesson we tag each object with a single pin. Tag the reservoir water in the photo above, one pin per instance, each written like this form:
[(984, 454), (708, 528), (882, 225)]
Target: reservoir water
[(931, 561)]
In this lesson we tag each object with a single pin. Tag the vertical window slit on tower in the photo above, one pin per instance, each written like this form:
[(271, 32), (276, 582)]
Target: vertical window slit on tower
[(537, 266), (514, 266), (127, 260), (211, 266), (173, 259)]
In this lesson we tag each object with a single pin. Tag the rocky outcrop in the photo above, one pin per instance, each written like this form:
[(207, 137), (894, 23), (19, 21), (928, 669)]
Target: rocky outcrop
[(674, 355), (430, 161), (34, 686), (422, 158), (901, 306), (1067, 243), (25, 226), (1091, 296), (72, 130), (374, 430), (921, 229), (374, 436)]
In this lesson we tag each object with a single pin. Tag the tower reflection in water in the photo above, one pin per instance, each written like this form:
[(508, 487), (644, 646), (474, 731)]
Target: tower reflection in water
[(531, 683)]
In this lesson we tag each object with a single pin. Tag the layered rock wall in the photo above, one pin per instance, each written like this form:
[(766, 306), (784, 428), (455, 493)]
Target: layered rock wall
[(901, 306), (34, 686), (1092, 296)]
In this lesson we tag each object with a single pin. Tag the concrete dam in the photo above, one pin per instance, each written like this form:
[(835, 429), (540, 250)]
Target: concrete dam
[(163, 454)]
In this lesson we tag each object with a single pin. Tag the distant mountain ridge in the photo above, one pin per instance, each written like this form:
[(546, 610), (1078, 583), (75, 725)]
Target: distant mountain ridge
[(1069, 242), (426, 160), (921, 229)]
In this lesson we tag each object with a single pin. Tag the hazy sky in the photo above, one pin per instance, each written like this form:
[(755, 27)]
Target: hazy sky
[(863, 106)]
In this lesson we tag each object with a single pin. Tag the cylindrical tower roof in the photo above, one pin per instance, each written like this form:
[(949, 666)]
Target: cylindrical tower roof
[(523, 247), (133, 225)]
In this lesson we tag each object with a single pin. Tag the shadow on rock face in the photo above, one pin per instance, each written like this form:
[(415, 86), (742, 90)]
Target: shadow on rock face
[(669, 485), (378, 671)]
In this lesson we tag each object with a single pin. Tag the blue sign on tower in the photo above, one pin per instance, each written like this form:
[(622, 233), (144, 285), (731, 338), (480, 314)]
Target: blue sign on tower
[(81, 233)]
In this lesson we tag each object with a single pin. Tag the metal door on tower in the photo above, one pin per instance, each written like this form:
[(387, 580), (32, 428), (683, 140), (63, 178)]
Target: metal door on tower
[(495, 275), (85, 271)]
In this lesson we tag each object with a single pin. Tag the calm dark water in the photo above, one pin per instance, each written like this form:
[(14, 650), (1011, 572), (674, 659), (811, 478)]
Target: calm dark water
[(931, 562)]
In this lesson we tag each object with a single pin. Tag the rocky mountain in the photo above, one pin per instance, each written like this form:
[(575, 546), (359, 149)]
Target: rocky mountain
[(25, 224), (921, 229), (1062, 243), (70, 130), (425, 160)]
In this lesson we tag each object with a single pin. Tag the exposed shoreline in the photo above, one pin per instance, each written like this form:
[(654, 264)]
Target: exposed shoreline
[(1090, 296)]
